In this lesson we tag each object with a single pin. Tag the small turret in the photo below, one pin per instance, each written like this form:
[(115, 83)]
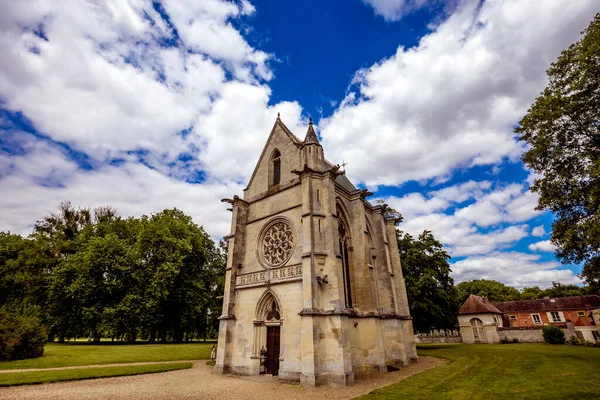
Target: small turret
[(311, 135), (312, 151)]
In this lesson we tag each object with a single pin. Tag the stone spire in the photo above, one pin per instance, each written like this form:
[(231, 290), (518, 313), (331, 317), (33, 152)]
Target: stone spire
[(311, 136)]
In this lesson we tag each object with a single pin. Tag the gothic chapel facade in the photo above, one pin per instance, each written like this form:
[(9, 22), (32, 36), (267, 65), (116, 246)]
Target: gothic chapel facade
[(314, 289)]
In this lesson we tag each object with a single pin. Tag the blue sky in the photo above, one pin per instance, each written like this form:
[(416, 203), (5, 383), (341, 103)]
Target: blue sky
[(145, 105)]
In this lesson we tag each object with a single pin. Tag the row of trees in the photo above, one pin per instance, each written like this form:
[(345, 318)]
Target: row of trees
[(433, 297), (94, 274)]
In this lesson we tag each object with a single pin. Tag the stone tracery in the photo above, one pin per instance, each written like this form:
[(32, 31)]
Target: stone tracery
[(277, 244)]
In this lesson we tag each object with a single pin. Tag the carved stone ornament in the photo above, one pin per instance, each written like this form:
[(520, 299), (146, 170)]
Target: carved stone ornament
[(276, 243)]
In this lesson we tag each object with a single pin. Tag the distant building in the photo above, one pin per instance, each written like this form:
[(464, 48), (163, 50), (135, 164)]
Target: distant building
[(482, 321)]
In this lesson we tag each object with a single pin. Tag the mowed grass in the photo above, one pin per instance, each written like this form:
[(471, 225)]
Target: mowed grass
[(27, 378), (76, 354), (503, 371)]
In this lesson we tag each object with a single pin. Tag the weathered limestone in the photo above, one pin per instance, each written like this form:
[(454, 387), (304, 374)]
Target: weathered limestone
[(314, 289)]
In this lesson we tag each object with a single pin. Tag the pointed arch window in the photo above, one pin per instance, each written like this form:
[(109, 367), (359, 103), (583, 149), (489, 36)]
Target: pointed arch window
[(275, 168), (346, 270)]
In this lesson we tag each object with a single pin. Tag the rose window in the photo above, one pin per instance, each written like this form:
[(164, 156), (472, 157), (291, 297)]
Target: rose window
[(277, 244)]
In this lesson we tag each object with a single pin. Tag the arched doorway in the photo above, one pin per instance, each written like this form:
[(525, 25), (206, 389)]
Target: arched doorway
[(267, 332), (478, 332)]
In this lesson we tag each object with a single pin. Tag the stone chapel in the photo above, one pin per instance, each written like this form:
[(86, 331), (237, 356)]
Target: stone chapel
[(314, 289)]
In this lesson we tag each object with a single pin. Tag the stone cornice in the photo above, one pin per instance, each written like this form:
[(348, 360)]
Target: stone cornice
[(274, 190), (352, 313)]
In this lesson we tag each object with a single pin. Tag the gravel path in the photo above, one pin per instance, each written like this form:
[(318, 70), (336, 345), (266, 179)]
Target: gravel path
[(201, 382)]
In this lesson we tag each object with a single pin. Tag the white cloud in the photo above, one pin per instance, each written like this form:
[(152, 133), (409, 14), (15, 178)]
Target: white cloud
[(481, 221), (544, 246), (473, 217), (104, 83), (538, 231), (514, 269), (112, 80), (511, 204), (394, 10), (30, 191), (452, 100)]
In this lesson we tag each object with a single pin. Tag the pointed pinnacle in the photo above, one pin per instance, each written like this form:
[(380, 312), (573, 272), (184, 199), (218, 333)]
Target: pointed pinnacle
[(311, 135)]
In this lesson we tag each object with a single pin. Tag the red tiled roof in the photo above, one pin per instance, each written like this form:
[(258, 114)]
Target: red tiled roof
[(558, 303), (478, 305)]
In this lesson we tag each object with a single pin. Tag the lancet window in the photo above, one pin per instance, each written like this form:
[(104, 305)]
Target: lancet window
[(275, 168), (344, 239)]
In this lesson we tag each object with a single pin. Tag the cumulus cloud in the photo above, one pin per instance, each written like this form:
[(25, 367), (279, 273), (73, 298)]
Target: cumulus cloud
[(538, 231), (452, 100), (394, 10), (473, 217), (478, 222), (33, 190), (544, 246), (513, 268), (103, 78), (166, 101)]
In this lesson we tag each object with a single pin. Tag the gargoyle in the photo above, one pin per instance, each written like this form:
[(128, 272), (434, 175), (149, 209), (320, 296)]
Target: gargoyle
[(365, 193), (336, 170), (306, 169), (231, 201)]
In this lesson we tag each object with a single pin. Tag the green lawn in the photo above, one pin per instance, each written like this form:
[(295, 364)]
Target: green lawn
[(26, 378), (503, 371), (72, 354)]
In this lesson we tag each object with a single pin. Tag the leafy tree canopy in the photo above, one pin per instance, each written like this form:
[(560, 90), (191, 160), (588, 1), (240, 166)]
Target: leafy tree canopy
[(493, 290), (562, 129), (92, 273), (430, 289)]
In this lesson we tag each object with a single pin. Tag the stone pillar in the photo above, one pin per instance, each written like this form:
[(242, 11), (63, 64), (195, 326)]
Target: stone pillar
[(308, 374), (326, 355), (235, 256)]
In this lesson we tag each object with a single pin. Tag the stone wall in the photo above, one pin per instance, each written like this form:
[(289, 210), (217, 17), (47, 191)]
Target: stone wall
[(438, 337), (528, 335)]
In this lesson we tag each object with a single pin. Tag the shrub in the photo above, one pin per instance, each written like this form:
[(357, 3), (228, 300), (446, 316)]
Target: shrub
[(590, 344), (575, 341), (20, 336), (553, 335), (504, 340), (515, 340)]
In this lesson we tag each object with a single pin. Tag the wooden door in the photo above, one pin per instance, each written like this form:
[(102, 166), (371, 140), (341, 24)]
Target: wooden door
[(272, 350)]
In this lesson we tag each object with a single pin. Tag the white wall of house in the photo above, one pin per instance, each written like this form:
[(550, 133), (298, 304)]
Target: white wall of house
[(485, 333)]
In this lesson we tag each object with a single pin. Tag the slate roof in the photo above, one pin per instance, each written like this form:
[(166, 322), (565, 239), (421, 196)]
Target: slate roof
[(478, 305), (555, 304)]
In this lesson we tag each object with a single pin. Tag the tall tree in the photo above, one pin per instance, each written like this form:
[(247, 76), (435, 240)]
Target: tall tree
[(429, 286), (493, 290), (533, 292), (560, 290), (562, 129)]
